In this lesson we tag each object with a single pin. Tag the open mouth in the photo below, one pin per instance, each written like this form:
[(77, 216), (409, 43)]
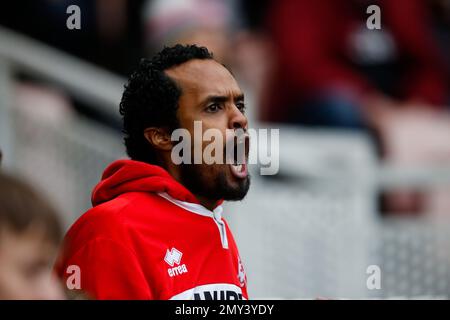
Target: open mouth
[(239, 159), (239, 171)]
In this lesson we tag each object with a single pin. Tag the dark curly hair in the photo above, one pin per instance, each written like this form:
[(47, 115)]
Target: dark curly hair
[(151, 98)]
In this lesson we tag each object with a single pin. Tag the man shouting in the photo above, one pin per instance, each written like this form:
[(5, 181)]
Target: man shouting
[(156, 229)]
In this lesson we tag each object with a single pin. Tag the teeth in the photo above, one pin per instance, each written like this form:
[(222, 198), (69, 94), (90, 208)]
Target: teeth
[(238, 167)]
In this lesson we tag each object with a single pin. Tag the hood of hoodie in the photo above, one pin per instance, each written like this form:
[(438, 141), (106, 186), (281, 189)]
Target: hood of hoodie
[(124, 176)]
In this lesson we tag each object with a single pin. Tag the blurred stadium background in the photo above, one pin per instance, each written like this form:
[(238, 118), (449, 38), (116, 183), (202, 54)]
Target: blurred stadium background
[(348, 194)]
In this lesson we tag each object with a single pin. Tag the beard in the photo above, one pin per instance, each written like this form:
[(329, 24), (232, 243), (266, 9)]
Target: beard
[(195, 179)]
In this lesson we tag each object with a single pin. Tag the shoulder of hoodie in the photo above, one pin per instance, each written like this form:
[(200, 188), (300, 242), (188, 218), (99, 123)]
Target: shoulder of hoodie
[(111, 219)]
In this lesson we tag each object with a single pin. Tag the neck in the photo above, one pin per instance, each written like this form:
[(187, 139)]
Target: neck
[(173, 170), (207, 203)]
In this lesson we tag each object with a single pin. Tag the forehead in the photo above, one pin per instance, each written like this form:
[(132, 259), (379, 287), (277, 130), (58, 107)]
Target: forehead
[(198, 78)]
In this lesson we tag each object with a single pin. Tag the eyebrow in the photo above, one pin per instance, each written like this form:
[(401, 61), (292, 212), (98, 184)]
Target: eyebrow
[(221, 99)]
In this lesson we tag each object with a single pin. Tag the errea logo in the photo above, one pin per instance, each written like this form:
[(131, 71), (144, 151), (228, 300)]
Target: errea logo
[(172, 258)]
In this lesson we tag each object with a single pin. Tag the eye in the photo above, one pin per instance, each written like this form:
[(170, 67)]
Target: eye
[(241, 106), (212, 108)]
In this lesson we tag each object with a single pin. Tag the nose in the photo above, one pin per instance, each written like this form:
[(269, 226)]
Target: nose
[(237, 119)]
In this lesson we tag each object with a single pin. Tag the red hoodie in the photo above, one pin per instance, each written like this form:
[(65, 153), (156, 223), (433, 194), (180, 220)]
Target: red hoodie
[(147, 237)]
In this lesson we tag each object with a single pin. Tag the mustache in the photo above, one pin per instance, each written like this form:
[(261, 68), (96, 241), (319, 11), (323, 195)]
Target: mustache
[(233, 147), (237, 147)]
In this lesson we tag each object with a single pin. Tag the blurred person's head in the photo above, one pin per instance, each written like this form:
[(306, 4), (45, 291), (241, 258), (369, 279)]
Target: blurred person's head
[(207, 23), (29, 237), (178, 86)]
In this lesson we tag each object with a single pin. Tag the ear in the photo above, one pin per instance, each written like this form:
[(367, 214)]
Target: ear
[(159, 138)]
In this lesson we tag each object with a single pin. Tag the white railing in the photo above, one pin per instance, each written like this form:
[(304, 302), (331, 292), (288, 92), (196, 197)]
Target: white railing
[(63, 159), (88, 82)]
